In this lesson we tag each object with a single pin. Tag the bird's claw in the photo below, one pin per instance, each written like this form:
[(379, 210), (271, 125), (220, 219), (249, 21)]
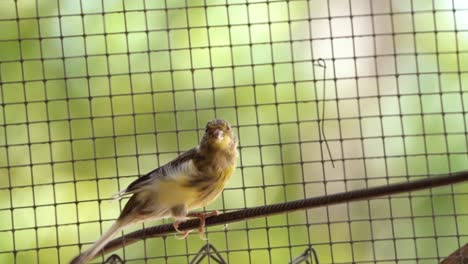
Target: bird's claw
[(201, 228), (202, 217), (184, 233)]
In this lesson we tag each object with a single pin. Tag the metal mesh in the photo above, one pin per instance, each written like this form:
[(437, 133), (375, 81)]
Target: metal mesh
[(96, 93)]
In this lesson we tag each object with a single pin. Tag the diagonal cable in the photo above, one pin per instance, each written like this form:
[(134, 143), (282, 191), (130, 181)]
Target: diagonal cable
[(267, 210)]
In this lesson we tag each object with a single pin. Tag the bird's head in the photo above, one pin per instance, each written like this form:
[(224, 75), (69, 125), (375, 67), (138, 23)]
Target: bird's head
[(219, 135)]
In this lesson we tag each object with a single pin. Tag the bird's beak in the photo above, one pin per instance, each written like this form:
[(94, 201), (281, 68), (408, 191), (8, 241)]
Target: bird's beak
[(218, 134)]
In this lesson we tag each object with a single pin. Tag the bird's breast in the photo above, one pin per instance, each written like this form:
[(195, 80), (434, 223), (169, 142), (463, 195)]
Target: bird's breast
[(210, 185), (174, 192)]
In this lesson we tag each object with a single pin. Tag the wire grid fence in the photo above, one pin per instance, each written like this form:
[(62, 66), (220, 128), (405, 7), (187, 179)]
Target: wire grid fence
[(96, 93)]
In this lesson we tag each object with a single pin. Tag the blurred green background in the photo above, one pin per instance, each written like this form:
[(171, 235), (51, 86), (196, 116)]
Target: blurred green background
[(95, 93)]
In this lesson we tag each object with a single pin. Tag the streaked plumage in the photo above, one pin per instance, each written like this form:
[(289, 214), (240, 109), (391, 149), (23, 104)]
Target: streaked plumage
[(189, 182)]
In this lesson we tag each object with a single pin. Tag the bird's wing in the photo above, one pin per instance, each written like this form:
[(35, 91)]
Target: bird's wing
[(167, 170)]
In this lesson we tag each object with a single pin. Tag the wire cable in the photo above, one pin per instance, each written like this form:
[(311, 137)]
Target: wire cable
[(268, 210)]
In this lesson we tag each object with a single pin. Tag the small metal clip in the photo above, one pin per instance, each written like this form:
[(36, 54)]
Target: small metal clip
[(208, 250), (320, 62), (305, 256), (114, 259)]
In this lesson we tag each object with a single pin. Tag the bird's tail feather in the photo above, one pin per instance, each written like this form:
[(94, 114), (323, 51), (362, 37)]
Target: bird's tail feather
[(99, 244)]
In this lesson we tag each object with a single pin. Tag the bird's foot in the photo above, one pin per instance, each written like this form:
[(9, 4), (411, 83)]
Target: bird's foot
[(184, 233), (201, 228), (202, 216)]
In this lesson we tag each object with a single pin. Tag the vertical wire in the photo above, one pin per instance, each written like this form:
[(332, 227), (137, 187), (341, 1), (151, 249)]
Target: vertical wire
[(239, 137), (133, 115), (114, 132), (382, 132), (449, 163), (361, 130), (405, 153), (457, 48), (27, 124), (363, 159), (194, 93), (444, 125), (41, 51), (258, 132), (152, 93), (7, 159), (278, 125), (299, 133), (192, 72), (424, 134), (211, 68), (329, 223), (312, 55), (70, 131), (339, 118), (96, 178), (174, 105)]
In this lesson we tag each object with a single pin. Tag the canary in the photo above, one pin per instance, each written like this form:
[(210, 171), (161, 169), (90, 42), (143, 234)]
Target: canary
[(191, 181)]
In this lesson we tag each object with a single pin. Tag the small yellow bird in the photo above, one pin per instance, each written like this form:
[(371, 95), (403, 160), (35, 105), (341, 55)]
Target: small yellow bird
[(191, 181)]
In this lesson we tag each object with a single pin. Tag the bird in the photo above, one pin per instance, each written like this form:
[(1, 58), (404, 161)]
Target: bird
[(189, 182)]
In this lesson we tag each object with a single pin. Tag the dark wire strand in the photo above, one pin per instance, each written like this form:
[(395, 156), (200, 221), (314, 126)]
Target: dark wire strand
[(321, 63), (267, 210)]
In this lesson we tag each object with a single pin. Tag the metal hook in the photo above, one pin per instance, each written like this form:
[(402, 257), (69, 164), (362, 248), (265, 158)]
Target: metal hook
[(305, 256), (113, 259), (321, 63), (208, 250)]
